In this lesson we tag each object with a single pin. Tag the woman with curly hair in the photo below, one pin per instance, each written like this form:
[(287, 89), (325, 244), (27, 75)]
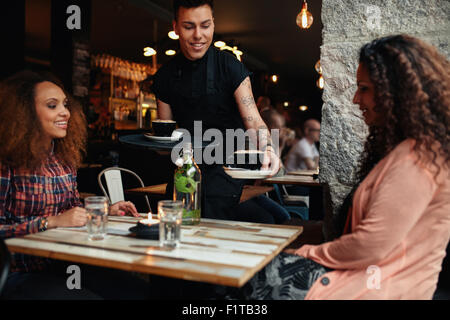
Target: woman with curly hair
[(398, 224), (43, 135)]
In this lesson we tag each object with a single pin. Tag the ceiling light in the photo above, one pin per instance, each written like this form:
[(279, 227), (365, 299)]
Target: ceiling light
[(219, 44), (318, 67), (286, 104), (274, 78), (149, 51), (234, 50), (173, 35), (303, 108), (320, 82), (170, 52), (304, 18)]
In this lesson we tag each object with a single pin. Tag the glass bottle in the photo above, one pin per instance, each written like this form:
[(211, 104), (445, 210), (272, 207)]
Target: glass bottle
[(187, 186)]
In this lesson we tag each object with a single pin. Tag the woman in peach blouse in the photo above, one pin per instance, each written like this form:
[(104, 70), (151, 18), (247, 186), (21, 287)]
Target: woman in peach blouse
[(398, 224)]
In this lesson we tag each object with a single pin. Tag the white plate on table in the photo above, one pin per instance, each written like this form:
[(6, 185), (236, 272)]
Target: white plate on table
[(238, 173)]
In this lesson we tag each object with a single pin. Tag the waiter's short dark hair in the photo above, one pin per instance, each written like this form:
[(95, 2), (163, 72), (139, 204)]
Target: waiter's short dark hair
[(190, 4)]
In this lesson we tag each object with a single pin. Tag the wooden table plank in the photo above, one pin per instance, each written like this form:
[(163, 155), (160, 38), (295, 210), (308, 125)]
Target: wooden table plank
[(158, 189), (306, 181), (303, 173), (253, 191), (215, 251), (248, 191)]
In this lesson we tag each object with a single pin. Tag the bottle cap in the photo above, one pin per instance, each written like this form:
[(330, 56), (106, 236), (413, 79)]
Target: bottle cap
[(179, 162)]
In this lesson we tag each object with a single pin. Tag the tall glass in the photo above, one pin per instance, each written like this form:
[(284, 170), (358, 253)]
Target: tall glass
[(97, 217), (170, 215)]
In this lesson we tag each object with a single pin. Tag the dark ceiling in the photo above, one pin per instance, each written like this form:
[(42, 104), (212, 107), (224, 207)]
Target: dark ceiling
[(264, 30)]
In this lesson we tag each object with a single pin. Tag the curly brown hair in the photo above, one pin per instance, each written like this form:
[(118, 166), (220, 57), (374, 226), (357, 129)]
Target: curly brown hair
[(21, 133), (412, 91)]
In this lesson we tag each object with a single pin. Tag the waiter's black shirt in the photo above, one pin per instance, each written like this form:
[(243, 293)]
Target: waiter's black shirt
[(202, 89)]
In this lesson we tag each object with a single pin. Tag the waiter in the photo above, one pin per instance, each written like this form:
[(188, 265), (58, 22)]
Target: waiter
[(204, 84)]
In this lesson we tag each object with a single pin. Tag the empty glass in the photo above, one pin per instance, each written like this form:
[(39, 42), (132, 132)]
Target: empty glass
[(170, 217), (97, 217)]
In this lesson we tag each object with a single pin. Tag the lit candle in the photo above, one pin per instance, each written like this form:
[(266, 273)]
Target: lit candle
[(149, 222)]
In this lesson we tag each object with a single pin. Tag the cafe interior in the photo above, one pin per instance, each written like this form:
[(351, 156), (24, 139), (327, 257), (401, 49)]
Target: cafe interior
[(108, 63), (112, 74)]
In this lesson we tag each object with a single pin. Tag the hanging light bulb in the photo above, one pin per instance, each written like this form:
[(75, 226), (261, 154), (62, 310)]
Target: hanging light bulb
[(148, 51), (304, 18), (286, 104), (318, 67), (219, 44), (274, 78), (320, 82), (170, 52), (172, 35)]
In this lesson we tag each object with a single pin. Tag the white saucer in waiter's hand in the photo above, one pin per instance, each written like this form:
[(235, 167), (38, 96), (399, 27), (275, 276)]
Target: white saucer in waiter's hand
[(176, 135), (238, 173)]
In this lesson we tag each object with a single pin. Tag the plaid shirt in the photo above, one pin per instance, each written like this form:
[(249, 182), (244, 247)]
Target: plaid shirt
[(26, 197)]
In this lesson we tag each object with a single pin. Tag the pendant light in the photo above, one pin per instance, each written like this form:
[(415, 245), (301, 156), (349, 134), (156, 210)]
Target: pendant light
[(304, 18)]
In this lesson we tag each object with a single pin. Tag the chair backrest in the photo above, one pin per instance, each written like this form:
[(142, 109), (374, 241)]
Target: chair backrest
[(302, 212), (5, 260), (113, 178)]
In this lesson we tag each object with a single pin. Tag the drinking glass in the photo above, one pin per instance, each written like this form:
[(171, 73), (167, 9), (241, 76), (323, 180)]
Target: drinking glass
[(170, 217), (97, 217)]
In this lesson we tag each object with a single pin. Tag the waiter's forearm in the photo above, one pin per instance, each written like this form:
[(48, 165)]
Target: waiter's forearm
[(164, 111), (250, 114)]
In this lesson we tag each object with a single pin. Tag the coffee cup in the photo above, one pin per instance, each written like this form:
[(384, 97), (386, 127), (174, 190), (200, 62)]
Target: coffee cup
[(163, 128), (248, 159)]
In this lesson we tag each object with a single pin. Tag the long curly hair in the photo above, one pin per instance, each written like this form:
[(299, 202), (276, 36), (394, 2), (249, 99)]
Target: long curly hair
[(412, 92), (21, 133)]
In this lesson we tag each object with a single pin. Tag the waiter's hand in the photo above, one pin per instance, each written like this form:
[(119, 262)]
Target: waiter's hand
[(271, 161)]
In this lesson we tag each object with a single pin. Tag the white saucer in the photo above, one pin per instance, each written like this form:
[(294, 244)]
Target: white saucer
[(237, 173), (161, 139)]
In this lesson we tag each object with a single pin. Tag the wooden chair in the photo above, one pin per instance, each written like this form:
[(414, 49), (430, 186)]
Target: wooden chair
[(300, 211)]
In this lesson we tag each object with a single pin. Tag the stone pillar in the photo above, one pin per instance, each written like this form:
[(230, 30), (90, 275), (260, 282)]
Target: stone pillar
[(347, 25)]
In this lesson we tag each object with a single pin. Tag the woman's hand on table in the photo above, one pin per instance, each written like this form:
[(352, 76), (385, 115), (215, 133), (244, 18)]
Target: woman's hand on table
[(122, 208), (75, 217)]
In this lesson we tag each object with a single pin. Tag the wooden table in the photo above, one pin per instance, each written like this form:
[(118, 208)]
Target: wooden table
[(253, 191), (300, 180), (215, 251), (157, 189), (160, 189), (303, 173)]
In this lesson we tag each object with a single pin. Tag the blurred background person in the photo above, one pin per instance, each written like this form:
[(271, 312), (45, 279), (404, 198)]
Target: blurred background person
[(304, 155), (275, 121)]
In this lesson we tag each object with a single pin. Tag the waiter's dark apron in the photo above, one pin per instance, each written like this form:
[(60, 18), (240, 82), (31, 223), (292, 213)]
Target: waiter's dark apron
[(220, 192)]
